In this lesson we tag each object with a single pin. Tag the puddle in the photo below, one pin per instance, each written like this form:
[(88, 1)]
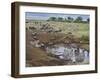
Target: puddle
[(69, 53)]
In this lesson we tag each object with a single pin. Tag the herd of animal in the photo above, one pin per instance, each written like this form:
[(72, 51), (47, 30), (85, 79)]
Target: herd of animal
[(65, 52)]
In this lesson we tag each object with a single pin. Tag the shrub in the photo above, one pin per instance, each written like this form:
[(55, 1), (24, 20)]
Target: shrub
[(85, 38)]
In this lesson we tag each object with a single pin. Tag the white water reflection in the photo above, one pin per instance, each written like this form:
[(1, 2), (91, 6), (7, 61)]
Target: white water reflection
[(69, 53)]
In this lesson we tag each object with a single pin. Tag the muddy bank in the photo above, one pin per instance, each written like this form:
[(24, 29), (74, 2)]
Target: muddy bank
[(54, 49)]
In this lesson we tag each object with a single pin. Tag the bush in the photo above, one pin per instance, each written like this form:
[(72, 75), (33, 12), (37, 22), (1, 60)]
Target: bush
[(85, 38)]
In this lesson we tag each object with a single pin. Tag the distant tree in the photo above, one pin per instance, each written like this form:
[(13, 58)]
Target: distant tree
[(60, 19), (52, 19), (70, 19), (79, 19), (88, 20)]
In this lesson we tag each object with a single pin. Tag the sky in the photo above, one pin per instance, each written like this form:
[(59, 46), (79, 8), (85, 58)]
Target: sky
[(46, 16)]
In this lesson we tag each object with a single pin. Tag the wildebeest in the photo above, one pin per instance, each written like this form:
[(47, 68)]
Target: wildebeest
[(32, 28)]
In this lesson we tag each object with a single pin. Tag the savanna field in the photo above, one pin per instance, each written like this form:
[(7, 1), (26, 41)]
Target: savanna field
[(44, 36)]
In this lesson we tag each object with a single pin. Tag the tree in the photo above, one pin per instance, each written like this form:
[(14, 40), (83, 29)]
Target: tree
[(70, 19), (88, 20), (60, 19), (52, 19), (79, 19)]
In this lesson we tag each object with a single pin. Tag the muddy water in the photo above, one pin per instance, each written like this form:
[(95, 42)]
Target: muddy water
[(70, 53)]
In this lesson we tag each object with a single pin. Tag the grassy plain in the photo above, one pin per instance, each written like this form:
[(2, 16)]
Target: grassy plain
[(37, 56)]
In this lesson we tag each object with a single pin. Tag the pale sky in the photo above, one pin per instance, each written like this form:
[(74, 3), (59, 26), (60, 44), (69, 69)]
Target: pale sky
[(45, 16)]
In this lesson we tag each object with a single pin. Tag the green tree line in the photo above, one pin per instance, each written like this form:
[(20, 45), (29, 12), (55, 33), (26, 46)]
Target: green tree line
[(68, 19)]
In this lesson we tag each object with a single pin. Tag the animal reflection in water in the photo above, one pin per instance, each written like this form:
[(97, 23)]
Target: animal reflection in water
[(69, 53)]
